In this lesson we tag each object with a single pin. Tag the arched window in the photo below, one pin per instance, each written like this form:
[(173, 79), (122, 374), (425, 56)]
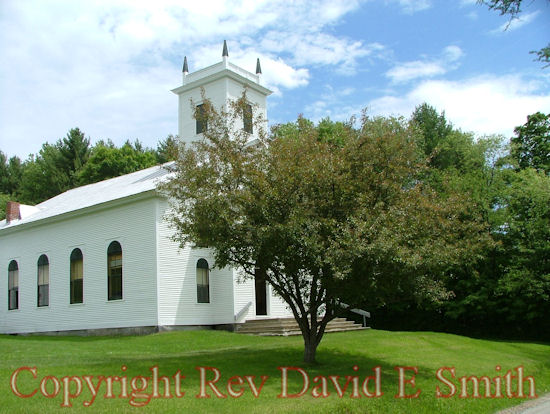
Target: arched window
[(247, 118), (201, 122), (77, 276), (114, 266), (203, 283), (43, 281), (13, 285)]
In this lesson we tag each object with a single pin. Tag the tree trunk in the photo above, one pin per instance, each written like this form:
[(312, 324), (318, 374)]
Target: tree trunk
[(310, 350)]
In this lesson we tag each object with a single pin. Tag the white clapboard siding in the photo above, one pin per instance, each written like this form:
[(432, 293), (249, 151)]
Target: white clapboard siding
[(245, 292), (177, 285), (216, 93), (278, 307), (131, 224)]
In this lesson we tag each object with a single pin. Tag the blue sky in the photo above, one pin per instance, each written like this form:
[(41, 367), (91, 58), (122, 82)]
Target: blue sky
[(108, 67)]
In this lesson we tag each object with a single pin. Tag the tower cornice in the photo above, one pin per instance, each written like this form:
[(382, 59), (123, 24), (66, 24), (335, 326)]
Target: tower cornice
[(218, 71)]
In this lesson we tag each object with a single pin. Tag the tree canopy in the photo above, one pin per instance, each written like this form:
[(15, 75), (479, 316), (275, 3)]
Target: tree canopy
[(506, 292), (531, 145), (324, 213), (107, 161)]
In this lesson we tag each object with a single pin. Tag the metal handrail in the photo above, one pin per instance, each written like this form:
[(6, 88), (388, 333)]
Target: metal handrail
[(361, 312), (243, 311)]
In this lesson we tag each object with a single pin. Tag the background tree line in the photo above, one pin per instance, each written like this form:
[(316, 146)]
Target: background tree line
[(506, 291), (503, 291), (71, 162)]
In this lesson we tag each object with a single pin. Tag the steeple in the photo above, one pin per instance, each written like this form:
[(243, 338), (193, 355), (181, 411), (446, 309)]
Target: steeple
[(225, 53), (221, 83), (185, 69), (258, 67)]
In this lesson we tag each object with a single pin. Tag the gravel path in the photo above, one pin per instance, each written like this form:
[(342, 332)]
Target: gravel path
[(540, 405)]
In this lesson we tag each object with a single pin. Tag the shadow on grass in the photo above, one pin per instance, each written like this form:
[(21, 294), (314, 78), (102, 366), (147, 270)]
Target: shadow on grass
[(239, 355)]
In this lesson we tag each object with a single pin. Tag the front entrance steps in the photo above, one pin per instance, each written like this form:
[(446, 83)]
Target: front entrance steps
[(289, 326)]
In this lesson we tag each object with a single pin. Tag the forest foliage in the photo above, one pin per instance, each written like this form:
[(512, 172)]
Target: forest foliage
[(71, 162), (506, 292)]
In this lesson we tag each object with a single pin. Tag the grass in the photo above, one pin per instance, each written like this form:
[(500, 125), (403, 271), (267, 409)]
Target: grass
[(234, 354)]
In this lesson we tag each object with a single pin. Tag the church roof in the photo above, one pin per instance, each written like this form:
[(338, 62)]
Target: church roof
[(92, 195)]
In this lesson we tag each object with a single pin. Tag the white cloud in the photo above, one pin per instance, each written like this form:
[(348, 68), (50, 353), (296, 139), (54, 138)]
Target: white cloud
[(413, 6), (278, 73), (452, 53), (319, 49), (426, 68), (484, 105), (472, 15), (516, 22), (333, 103), (103, 65), (416, 69)]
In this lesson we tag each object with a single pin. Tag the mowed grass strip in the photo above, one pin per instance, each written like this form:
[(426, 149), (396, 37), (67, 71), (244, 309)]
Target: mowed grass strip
[(235, 355)]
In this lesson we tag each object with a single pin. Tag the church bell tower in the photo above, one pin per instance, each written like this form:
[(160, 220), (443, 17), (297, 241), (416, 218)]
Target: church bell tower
[(222, 82)]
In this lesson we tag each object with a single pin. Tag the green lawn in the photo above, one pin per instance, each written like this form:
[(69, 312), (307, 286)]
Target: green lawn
[(241, 355)]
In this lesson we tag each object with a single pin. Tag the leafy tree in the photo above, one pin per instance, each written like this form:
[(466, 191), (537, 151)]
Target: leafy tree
[(434, 127), (107, 161), (509, 294), (321, 219), (512, 8), (506, 291), (333, 132), (3, 170), (531, 146), (4, 198), (526, 239), (447, 147), (458, 163)]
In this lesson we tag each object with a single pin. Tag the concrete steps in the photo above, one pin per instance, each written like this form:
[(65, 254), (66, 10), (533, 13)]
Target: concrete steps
[(289, 326)]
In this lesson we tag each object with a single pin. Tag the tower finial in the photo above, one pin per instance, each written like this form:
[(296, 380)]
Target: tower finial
[(225, 53), (258, 67), (185, 69)]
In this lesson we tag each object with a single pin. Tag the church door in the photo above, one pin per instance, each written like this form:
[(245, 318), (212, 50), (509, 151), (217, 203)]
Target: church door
[(261, 295)]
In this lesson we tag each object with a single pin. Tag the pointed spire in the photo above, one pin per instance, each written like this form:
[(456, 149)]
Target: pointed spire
[(225, 53), (258, 67), (185, 69)]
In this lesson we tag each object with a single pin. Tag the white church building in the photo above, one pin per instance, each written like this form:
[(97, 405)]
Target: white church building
[(100, 259)]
